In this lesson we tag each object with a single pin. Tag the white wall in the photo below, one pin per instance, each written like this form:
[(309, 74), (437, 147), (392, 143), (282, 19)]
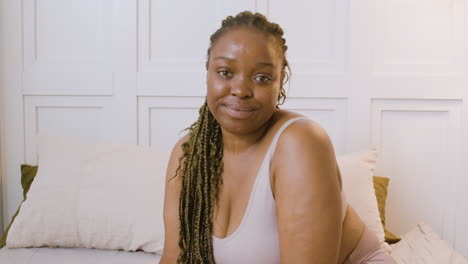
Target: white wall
[(2, 87), (1, 169), (386, 74)]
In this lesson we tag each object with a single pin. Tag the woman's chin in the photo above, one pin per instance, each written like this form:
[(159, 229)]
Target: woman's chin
[(242, 127)]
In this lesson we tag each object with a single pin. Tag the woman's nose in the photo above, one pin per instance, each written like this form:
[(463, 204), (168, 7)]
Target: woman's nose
[(241, 87)]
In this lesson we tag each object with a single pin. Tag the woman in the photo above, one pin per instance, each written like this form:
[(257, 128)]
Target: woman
[(252, 183)]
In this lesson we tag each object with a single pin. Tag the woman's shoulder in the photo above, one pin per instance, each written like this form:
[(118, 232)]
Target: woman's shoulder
[(176, 155), (303, 137), (301, 129), (303, 153), (177, 150)]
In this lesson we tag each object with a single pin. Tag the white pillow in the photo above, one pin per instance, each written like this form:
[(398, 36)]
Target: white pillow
[(94, 195), (357, 171)]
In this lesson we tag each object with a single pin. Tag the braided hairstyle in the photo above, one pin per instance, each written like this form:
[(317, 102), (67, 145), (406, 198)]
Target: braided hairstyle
[(201, 164)]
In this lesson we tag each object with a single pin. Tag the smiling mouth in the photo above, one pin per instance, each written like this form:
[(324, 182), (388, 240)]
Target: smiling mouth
[(239, 112)]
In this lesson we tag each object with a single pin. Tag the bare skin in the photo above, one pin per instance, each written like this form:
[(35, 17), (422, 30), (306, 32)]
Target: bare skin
[(243, 80)]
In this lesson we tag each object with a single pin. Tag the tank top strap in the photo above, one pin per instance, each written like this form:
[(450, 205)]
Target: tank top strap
[(273, 144)]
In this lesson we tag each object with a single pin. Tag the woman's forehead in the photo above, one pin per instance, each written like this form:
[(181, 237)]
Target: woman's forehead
[(245, 42)]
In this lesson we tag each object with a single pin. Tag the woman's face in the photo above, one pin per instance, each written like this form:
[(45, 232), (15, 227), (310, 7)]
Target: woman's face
[(243, 80)]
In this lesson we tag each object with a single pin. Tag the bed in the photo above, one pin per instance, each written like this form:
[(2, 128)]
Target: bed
[(74, 256), (422, 245), (87, 202), (419, 246)]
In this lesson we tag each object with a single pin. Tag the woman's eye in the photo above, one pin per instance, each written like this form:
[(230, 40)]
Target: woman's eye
[(225, 73), (262, 78)]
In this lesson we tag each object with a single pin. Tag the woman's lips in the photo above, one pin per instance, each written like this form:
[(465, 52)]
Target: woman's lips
[(239, 112)]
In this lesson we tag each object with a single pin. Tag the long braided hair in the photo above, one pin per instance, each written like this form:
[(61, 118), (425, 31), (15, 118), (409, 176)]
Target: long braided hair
[(201, 164)]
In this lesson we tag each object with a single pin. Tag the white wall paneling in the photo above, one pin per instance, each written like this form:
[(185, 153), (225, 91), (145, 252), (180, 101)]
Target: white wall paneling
[(317, 37), (11, 104), (330, 113), (261, 6), (422, 39), (374, 73), (162, 119), (318, 43), (412, 86), (420, 143), (82, 117), (73, 48), (1, 160), (172, 58), (68, 83), (462, 182)]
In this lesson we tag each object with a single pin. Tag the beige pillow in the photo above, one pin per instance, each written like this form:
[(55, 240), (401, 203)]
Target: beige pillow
[(94, 195), (357, 170)]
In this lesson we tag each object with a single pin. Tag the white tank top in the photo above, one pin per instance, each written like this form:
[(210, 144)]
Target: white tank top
[(256, 238)]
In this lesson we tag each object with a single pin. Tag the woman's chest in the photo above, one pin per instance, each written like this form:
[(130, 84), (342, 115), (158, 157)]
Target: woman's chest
[(234, 194), (245, 228)]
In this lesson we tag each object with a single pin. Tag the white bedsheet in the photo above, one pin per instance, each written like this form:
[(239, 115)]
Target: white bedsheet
[(74, 256), (419, 246), (423, 246)]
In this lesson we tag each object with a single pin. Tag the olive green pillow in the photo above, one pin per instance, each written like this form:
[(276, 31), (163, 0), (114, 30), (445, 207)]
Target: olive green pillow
[(28, 173), (381, 186)]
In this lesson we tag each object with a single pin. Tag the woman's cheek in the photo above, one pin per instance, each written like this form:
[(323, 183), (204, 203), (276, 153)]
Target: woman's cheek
[(218, 86)]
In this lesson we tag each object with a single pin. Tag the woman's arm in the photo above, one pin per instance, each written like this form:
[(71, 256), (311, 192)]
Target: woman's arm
[(307, 194), (171, 207)]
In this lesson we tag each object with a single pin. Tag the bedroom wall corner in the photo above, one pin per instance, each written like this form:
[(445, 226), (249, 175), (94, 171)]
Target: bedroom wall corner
[(2, 23), (1, 156), (461, 228), (1, 168), (11, 106)]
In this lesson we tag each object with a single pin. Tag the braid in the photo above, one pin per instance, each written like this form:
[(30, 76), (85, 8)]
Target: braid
[(201, 178), (202, 157)]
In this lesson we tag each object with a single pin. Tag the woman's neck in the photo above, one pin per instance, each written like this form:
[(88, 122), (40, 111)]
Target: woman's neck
[(238, 144)]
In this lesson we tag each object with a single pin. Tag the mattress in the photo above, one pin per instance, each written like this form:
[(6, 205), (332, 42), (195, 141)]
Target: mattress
[(74, 256)]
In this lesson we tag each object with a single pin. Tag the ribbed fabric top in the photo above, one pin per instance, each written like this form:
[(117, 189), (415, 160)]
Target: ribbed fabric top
[(256, 238)]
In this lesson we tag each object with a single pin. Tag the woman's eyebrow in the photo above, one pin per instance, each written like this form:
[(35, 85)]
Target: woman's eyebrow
[(223, 58), (265, 64)]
